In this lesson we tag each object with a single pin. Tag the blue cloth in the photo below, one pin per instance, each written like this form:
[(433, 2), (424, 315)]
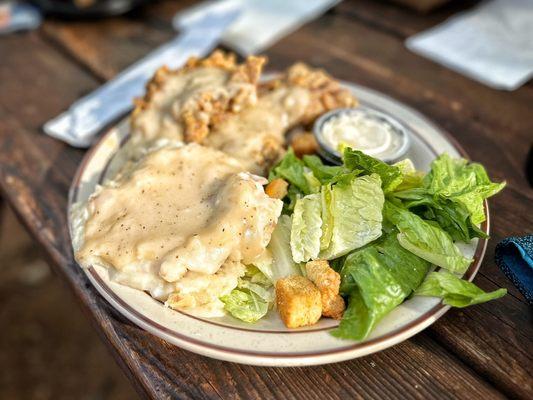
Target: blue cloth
[(514, 256)]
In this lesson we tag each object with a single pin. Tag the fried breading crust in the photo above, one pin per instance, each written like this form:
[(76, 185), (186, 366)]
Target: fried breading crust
[(210, 113), (326, 92), (297, 97), (210, 106), (328, 283)]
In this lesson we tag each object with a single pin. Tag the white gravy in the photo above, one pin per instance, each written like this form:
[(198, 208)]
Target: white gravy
[(183, 211), (255, 136), (181, 92)]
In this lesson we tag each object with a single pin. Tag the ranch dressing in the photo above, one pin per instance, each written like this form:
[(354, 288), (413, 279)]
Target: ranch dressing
[(365, 130)]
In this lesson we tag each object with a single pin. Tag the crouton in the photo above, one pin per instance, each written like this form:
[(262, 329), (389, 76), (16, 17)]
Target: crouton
[(277, 189), (304, 143), (328, 283), (323, 276), (333, 307), (298, 300)]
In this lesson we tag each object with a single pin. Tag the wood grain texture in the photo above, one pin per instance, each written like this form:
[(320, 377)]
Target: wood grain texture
[(480, 352), (356, 52), (397, 20), (108, 46), (456, 106), (35, 176), (352, 50)]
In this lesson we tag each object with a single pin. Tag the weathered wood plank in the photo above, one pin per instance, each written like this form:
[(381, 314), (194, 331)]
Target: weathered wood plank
[(480, 138), (491, 360), (407, 81), (356, 52), (510, 216), (353, 51), (367, 62), (108, 46), (397, 20), (451, 106), (35, 175), (419, 367), (421, 376)]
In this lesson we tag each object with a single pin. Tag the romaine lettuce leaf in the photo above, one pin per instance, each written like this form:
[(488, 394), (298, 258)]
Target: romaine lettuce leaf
[(292, 169), (265, 292), (461, 182), (306, 228), (411, 178), (254, 273), (426, 240), (324, 173), (354, 215), (452, 194), (407, 268), (326, 197), (360, 318), (293, 194), (252, 298), (455, 291), (406, 166), (455, 219), (245, 305), (376, 279), (301, 179), (312, 182), (341, 218), (282, 263), (391, 176)]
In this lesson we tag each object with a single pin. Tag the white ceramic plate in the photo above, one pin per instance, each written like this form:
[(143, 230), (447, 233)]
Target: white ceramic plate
[(268, 342)]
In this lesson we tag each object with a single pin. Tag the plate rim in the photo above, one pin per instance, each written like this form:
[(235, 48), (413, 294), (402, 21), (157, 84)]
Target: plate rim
[(353, 350)]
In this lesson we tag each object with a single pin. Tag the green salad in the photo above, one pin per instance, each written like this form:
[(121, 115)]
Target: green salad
[(388, 230)]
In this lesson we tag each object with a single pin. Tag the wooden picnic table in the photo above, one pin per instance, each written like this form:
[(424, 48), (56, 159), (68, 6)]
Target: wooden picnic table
[(482, 352)]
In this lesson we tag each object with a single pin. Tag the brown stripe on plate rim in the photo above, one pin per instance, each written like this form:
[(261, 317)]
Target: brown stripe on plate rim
[(437, 311)]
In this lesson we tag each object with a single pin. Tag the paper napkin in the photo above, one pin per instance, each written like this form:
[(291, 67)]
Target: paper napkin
[(261, 23), (493, 43)]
